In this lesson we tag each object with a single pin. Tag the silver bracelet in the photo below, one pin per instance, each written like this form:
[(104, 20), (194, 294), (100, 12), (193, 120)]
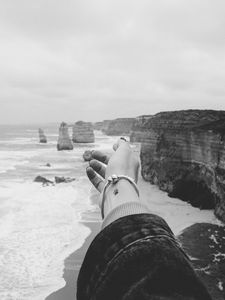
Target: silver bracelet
[(113, 180)]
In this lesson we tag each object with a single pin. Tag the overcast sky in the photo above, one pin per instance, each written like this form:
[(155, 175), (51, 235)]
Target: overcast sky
[(102, 59)]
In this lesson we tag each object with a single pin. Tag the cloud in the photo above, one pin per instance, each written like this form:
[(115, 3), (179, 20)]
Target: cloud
[(103, 59)]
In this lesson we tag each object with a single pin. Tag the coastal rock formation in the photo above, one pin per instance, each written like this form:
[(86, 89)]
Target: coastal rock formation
[(183, 152), (64, 141), (139, 130), (120, 126), (42, 137), (204, 244), (43, 180), (63, 179), (98, 125), (83, 132)]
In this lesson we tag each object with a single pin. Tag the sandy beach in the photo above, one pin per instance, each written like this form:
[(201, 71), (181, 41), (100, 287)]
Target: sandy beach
[(72, 266), (187, 224)]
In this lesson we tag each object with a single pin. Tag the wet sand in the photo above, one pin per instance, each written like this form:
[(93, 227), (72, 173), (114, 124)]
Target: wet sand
[(72, 266)]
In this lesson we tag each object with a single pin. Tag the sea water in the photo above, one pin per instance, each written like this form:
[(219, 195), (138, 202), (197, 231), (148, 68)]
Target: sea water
[(40, 226)]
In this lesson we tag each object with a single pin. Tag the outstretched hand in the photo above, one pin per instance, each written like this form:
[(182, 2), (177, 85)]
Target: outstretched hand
[(122, 162)]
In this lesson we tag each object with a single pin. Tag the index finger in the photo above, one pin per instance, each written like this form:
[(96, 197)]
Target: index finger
[(102, 157)]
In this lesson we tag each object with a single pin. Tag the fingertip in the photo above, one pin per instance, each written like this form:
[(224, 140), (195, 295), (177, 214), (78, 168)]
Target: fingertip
[(92, 163), (115, 146), (100, 156), (90, 172), (121, 141)]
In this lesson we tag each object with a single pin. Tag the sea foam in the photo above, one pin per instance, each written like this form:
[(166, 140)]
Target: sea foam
[(40, 231)]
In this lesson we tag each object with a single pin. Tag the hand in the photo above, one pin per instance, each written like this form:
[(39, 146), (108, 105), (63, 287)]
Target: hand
[(122, 162)]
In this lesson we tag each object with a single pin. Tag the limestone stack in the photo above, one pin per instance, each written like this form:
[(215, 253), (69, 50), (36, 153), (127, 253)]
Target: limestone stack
[(42, 136), (64, 141), (183, 152), (83, 132)]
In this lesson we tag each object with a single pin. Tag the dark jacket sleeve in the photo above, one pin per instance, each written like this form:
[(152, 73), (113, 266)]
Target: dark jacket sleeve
[(138, 257)]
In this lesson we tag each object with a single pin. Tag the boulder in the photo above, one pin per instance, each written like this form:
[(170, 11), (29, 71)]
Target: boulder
[(43, 180), (83, 132), (63, 179), (42, 137), (64, 141)]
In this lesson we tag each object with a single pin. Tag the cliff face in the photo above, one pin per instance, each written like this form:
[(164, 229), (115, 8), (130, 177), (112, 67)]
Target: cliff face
[(42, 137), (183, 153), (64, 141), (120, 126), (98, 125), (83, 132)]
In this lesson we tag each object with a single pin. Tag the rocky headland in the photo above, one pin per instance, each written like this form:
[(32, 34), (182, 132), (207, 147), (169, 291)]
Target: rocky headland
[(83, 132), (183, 152), (120, 126), (64, 141), (97, 125), (42, 136)]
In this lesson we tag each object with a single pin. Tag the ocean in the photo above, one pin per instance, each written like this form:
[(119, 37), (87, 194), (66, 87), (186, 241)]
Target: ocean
[(40, 226)]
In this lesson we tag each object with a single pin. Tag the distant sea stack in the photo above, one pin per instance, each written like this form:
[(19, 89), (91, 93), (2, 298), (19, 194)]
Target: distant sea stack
[(83, 132), (183, 152), (64, 141), (42, 137), (120, 126)]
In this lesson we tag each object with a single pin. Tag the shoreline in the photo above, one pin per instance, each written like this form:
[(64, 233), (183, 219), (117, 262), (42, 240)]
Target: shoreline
[(72, 265), (185, 221)]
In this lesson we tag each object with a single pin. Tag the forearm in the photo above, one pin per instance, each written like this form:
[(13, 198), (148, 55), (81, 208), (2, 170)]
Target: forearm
[(121, 200), (118, 194)]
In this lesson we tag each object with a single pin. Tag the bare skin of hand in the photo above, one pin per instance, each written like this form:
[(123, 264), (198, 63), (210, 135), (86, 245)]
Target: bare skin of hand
[(122, 162)]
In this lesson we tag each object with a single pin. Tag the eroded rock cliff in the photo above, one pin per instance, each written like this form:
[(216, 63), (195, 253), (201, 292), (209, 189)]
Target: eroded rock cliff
[(64, 141), (120, 126), (183, 152), (83, 132), (42, 136)]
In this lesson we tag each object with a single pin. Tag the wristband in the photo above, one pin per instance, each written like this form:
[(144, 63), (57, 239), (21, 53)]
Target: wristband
[(113, 180)]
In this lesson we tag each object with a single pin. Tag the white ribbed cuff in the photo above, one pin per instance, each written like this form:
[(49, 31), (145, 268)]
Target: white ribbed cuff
[(126, 209)]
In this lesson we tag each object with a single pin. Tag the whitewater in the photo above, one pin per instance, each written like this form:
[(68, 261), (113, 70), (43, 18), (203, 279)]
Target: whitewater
[(40, 226)]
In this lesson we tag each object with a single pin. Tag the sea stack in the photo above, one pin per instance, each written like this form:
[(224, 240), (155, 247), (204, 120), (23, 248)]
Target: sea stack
[(42, 137), (83, 132), (64, 141)]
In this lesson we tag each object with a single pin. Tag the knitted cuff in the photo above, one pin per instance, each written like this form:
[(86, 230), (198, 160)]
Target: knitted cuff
[(126, 209)]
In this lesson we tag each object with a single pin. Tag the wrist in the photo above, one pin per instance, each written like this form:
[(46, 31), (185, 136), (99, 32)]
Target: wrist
[(117, 191), (122, 188)]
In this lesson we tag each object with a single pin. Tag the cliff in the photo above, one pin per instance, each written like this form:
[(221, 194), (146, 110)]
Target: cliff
[(83, 132), (183, 152), (64, 141), (98, 125), (120, 126), (42, 137)]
